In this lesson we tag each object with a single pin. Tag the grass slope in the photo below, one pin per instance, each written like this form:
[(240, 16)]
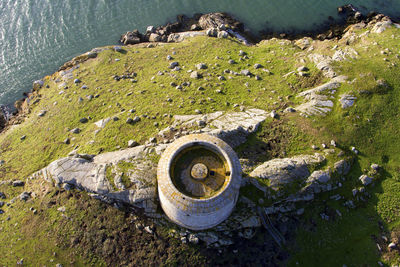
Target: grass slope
[(372, 126)]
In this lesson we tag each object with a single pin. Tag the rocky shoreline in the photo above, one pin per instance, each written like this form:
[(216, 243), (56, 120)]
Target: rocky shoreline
[(221, 25)]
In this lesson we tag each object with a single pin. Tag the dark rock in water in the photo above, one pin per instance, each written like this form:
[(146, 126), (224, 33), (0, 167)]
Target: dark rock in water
[(214, 20)]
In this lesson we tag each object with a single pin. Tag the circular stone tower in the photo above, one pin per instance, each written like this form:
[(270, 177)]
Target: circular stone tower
[(199, 177)]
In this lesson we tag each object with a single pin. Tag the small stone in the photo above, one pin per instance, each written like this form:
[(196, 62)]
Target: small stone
[(136, 119), (169, 57), (354, 150), (155, 124), (117, 48), (245, 72), (257, 66), (231, 61), (173, 64), (302, 68), (132, 111), (195, 75), (148, 230), (42, 113), (324, 146), (222, 34), (83, 120), (77, 81), (375, 167), (273, 114), (290, 109), (22, 137), (18, 183), (66, 141), (132, 143), (61, 209), (333, 143), (392, 245), (242, 53), (153, 140), (24, 196), (75, 130), (354, 192), (201, 66), (67, 187), (258, 78), (365, 180), (84, 87), (197, 111), (193, 239), (314, 147), (221, 78), (115, 118)]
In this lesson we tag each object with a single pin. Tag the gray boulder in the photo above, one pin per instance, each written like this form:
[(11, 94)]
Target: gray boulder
[(281, 172), (365, 180), (319, 176), (342, 167)]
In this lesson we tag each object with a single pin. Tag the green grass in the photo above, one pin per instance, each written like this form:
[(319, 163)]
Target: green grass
[(372, 126)]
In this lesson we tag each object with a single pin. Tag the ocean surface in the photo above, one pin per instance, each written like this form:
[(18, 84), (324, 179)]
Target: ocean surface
[(38, 36)]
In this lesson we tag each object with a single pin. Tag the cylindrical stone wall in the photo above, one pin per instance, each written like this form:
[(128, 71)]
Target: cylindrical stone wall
[(193, 211)]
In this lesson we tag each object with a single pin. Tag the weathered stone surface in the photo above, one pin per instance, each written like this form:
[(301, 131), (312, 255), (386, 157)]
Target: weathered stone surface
[(102, 123), (347, 100), (323, 63), (284, 171), (344, 54), (365, 180), (218, 20), (90, 174), (321, 176), (318, 103), (181, 36), (381, 26), (232, 127), (304, 43), (342, 167)]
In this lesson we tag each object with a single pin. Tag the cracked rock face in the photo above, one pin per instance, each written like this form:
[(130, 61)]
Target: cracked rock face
[(281, 172), (91, 176)]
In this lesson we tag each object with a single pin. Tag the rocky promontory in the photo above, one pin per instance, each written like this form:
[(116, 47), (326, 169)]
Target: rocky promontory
[(313, 121)]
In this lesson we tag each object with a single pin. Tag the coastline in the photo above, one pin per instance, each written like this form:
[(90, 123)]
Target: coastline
[(211, 24)]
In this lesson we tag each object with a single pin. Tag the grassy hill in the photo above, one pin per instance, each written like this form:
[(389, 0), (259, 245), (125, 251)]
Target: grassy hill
[(91, 232)]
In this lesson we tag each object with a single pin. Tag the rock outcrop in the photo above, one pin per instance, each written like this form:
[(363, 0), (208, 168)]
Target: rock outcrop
[(91, 174), (281, 172), (232, 127), (320, 99)]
